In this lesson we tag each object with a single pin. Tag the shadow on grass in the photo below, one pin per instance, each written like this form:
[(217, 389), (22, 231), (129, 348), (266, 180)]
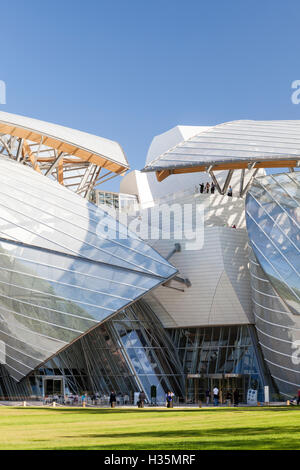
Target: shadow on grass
[(241, 437), (268, 438), (207, 433), (250, 444), (192, 445)]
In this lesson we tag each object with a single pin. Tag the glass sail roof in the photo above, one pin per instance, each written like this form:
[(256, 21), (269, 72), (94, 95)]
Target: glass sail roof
[(63, 267)]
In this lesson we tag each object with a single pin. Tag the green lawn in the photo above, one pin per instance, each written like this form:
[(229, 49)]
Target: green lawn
[(85, 428)]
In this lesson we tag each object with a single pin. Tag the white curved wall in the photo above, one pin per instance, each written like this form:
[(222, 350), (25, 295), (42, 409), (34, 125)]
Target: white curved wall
[(218, 271)]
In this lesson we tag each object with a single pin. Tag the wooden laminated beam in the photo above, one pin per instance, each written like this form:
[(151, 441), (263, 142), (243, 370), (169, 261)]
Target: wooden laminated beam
[(60, 171), (163, 174), (26, 151), (64, 147)]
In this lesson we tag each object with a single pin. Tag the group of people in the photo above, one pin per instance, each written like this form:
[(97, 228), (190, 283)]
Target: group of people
[(96, 399), (205, 188), (210, 187), (121, 399), (228, 397), (68, 399), (141, 400), (87, 398), (169, 399), (296, 399)]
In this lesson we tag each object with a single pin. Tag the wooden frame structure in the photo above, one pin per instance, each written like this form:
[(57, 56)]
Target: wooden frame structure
[(247, 170), (75, 165)]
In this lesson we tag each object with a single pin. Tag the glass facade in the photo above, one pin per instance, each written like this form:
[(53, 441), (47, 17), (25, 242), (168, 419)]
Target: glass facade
[(118, 201), (133, 352), (224, 356), (273, 223), (129, 353)]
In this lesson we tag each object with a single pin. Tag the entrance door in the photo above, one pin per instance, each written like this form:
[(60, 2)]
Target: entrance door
[(226, 385), (53, 386)]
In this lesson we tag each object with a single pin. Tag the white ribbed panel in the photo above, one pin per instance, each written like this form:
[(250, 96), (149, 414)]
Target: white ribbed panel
[(232, 142), (220, 291)]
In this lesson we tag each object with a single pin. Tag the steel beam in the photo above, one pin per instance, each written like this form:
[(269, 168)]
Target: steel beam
[(19, 151), (54, 164), (215, 181), (249, 182)]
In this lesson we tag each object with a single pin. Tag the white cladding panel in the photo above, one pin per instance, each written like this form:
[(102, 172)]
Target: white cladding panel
[(220, 291), (169, 139), (234, 141)]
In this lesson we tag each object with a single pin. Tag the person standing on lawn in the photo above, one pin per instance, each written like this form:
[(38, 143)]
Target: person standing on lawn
[(216, 395), (236, 397), (112, 399)]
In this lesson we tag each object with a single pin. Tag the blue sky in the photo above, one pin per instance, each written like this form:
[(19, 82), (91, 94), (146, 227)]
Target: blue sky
[(129, 70)]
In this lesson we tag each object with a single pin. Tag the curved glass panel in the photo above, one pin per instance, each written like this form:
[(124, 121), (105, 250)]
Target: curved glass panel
[(130, 352), (60, 276), (278, 331), (273, 224)]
